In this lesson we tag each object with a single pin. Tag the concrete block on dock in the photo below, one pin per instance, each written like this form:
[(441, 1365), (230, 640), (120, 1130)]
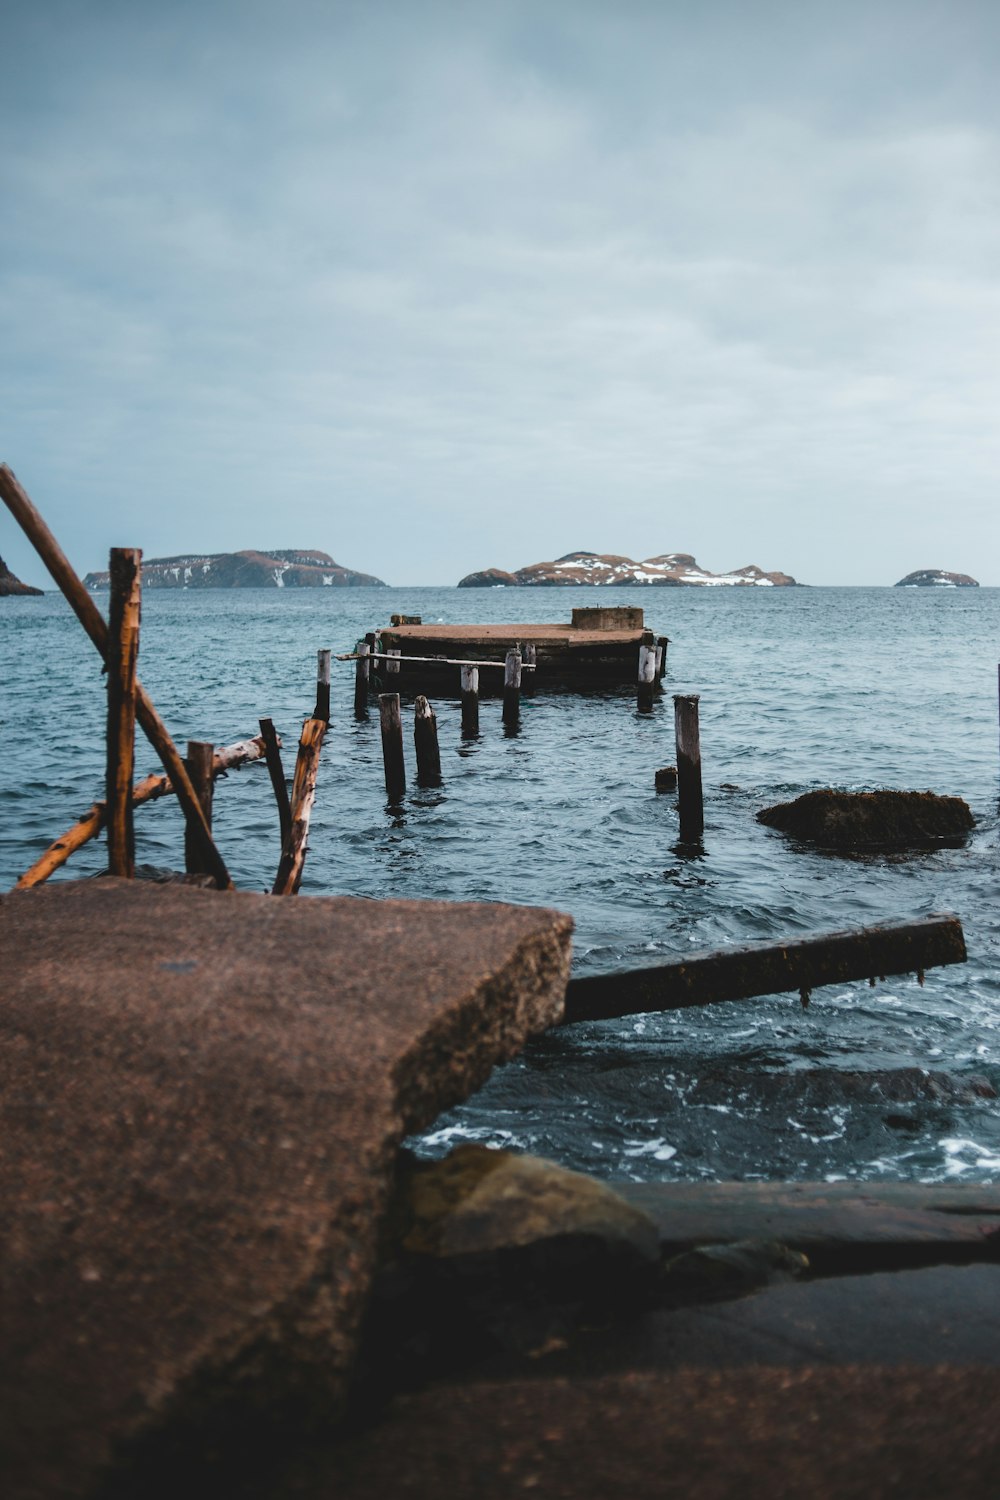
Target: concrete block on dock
[(201, 1097)]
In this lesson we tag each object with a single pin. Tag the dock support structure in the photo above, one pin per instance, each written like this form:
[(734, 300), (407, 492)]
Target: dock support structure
[(470, 702), (392, 746), (425, 743), (512, 688), (647, 676), (689, 795)]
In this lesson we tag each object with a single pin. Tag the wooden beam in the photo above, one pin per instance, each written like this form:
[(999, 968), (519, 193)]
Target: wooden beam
[(147, 790), (769, 969), (276, 771), (293, 854), (201, 769), (125, 571), (16, 498)]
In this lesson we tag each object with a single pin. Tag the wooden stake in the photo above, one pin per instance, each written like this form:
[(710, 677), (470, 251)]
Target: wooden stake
[(769, 969), (21, 508), (276, 771), (647, 676), (150, 789), (689, 796), (662, 642), (512, 688), (322, 709), (123, 654), (530, 659), (392, 746), (361, 675), (392, 661), (200, 764), (425, 743), (470, 702), (293, 854)]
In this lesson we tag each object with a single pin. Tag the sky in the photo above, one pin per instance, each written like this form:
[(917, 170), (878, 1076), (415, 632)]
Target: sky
[(439, 287)]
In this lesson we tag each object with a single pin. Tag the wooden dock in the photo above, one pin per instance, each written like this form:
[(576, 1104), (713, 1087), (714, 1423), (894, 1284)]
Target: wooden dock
[(596, 648)]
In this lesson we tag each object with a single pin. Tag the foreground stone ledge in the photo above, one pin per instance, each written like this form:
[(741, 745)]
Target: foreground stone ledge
[(201, 1098)]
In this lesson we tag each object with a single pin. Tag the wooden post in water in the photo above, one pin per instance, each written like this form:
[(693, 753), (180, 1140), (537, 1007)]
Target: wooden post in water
[(647, 676), (276, 771), (322, 709), (122, 658), (512, 688), (392, 746), (530, 662), (361, 674), (392, 664), (662, 642), (470, 702), (425, 742), (200, 763), (689, 797), (18, 502), (293, 853)]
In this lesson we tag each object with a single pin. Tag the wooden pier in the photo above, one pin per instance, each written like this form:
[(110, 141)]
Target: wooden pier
[(597, 648)]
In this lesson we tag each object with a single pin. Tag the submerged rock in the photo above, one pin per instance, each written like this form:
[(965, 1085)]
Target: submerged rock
[(846, 821)]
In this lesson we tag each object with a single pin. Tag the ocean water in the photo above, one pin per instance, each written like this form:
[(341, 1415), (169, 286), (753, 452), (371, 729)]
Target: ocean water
[(800, 688)]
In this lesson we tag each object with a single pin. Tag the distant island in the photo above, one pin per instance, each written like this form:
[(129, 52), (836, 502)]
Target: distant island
[(11, 585), (245, 570), (678, 569), (937, 578)]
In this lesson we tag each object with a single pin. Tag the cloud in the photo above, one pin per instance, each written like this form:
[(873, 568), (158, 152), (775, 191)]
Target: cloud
[(718, 280)]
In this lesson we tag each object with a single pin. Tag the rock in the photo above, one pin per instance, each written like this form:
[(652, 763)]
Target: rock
[(846, 821), (489, 578), (937, 578), (676, 568), (244, 570), (201, 1099), (9, 585), (710, 1273)]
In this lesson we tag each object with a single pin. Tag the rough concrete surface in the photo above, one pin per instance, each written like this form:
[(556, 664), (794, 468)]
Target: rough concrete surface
[(201, 1098)]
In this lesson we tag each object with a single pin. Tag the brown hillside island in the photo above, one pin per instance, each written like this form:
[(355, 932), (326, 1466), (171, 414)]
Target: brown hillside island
[(245, 570), (9, 585), (672, 568), (925, 578)]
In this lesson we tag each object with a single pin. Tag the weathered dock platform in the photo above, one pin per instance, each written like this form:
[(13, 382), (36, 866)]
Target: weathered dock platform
[(201, 1098), (595, 648)]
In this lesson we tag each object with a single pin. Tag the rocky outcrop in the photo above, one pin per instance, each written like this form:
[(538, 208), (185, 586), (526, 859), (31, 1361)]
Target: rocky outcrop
[(925, 578), (244, 570), (11, 585), (845, 821), (671, 568)]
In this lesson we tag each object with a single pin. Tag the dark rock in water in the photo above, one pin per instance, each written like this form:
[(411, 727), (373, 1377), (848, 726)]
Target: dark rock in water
[(244, 570), (10, 585), (487, 1250), (925, 578), (846, 821), (710, 1273), (488, 578), (666, 779)]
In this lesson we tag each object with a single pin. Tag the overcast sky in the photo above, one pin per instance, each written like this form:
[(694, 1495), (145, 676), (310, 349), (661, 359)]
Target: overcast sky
[(437, 287)]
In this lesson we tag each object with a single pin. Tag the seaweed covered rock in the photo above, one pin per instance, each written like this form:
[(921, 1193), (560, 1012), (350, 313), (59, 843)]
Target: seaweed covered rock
[(847, 821)]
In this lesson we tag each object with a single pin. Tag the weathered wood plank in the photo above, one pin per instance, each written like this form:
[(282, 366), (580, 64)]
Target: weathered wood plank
[(293, 854), (769, 969)]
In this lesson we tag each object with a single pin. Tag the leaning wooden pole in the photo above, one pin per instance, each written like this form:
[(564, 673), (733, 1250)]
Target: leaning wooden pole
[(124, 610), (23, 510), (148, 790), (276, 771), (769, 969), (293, 854)]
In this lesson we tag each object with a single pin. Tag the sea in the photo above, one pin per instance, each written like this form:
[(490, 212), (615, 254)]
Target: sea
[(800, 688)]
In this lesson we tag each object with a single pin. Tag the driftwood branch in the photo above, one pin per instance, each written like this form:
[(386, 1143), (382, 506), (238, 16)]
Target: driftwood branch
[(293, 853), (28, 518), (769, 969), (149, 789)]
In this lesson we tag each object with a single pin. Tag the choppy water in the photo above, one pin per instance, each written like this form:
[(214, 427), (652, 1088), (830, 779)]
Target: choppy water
[(800, 688)]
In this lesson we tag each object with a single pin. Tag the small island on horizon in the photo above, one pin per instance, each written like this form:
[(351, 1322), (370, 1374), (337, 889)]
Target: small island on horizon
[(937, 578), (675, 569), (9, 585), (245, 570)]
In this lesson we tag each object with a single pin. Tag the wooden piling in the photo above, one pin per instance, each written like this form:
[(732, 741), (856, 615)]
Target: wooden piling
[(362, 671), (470, 702), (16, 498), (322, 709), (425, 743), (122, 658), (392, 661), (512, 688), (689, 795), (293, 853), (392, 746), (530, 660), (200, 763), (647, 676), (276, 771), (662, 642)]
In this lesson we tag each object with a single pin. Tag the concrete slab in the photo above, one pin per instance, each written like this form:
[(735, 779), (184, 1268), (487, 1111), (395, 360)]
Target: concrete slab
[(200, 1100)]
